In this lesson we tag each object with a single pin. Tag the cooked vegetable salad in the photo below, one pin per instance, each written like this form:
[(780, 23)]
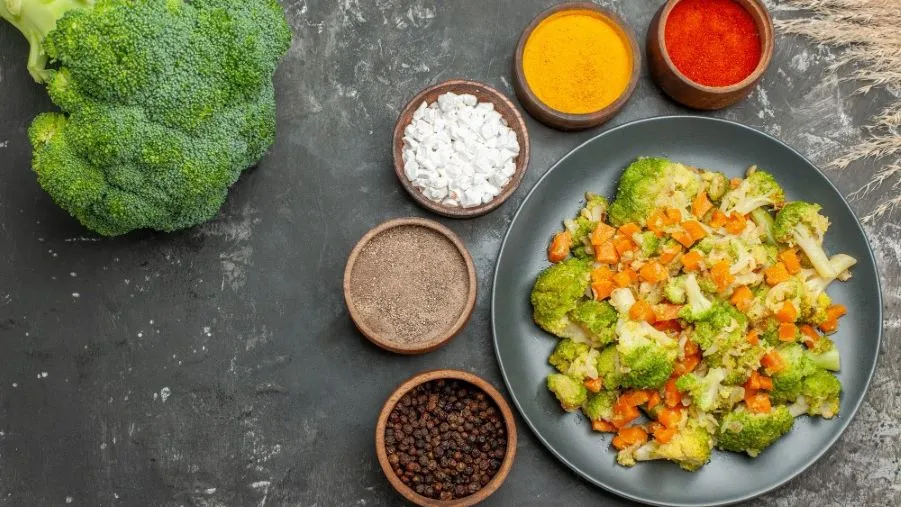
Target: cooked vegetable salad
[(692, 313)]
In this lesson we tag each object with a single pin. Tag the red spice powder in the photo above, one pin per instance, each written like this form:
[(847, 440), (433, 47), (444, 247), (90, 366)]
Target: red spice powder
[(713, 42)]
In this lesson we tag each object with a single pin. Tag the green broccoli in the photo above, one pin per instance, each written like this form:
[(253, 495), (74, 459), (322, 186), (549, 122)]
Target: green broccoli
[(557, 291), (717, 184), (764, 221), (813, 307), (565, 353), (723, 319), (164, 104), (765, 255), (800, 223), (690, 448), (758, 189), (703, 389), (608, 368), (651, 183), (698, 307), (740, 366), (820, 392), (648, 242), (646, 356), (569, 391), (598, 318), (745, 431), (599, 406), (674, 290), (800, 364)]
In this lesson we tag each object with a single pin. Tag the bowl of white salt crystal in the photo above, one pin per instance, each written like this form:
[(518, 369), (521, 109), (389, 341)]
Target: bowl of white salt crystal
[(461, 148)]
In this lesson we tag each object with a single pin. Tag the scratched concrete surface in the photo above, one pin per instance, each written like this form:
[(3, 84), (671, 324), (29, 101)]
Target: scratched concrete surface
[(217, 366)]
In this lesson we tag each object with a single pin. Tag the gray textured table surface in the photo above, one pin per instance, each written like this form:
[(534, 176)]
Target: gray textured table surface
[(218, 366)]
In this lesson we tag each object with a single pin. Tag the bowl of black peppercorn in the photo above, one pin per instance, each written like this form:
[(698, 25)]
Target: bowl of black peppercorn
[(446, 438)]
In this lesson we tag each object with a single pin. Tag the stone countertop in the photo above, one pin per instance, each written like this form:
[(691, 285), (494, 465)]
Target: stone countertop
[(218, 366)]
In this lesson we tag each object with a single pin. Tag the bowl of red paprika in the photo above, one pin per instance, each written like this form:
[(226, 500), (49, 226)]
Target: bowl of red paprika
[(709, 54)]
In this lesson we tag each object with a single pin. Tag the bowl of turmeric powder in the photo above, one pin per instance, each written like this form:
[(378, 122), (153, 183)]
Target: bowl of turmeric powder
[(576, 65)]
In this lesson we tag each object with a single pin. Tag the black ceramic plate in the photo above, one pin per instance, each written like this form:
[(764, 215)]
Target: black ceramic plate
[(522, 348)]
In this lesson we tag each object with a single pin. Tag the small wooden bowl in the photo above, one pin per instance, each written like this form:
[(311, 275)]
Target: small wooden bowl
[(563, 121), (484, 93), (698, 96), (479, 383), (385, 342)]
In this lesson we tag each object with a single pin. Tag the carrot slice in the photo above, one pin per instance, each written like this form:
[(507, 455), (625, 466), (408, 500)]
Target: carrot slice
[(721, 276), (669, 253), (734, 182), (753, 337), (690, 348), (718, 219), (670, 417), (593, 384), (683, 237), (668, 325), (606, 253), (601, 273), (687, 364), (627, 437), (653, 272), (791, 261), (624, 414), (692, 260), (742, 298), (667, 312), (671, 396), (835, 312), (602, 289), (701, 205), (603, 426), (664, 435), (810, 337), (642, 311), (694, 229), (559, 249), (787, 332), (773, 362), (673, 216), (788, 313), (776, 274), (602, 234), (653, 399), (759, 403), (630, 229), (622, 279), (633, 398), (736, 223), (657, 222)]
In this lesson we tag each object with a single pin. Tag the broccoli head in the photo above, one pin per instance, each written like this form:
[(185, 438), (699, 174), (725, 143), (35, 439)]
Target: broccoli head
[(570, 392), (566, 352), (674, 290), (800, 223), (163, 104), (703, 389), (608, 368), (745, 431), (821, 391), (557, 291), (758, 189), (646, 356), (717, 184), (787, 382), (651, 183), (598, 318), (690, 447), (698, 307), (599, 406)]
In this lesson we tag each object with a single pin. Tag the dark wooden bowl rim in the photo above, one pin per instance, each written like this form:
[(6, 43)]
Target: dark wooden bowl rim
[(443, 338), (479, 383), (502, 105)]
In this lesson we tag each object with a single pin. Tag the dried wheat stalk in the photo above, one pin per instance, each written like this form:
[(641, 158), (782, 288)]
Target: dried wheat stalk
[(869, 34)]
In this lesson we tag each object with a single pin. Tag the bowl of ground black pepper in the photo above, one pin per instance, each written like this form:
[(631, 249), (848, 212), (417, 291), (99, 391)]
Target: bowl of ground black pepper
[(446, 438), (410, 285)]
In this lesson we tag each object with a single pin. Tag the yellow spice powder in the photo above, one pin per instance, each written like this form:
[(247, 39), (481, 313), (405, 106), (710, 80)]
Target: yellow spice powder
[(577, 62)]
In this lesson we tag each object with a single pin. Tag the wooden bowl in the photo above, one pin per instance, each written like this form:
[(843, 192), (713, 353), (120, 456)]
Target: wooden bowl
[(484, 93), (422, 378), (380, 339), (563, 121), (698, 96)]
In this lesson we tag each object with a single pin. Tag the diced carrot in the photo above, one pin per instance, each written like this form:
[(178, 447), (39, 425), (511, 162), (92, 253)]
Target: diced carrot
[(742, 298), (759, 403), (669, 253), (753, 337), (683, 237), (673, 216), (787, 313), (627, 437), (653, 272), (776, 274), (718, 219), (632, 274), (759, 382), (810, 337), (623, 244), (657, 221), (633, 398), (559, 249), (791, 261), (835, 312), (653, 399), (734, 182), (603, 426), (593, 384), (773, 362), (601, 273), (671, 396), (667, 312), (602, 289), (690, 348), (687, 364), (736, 223), (670, 417), (606, 253), (694, 229), (787, 332), (721, 276), (642, 311), (668, 325), (701, 205), (692, 260), (602, 234), (624, 414), (630, 229), (622, 279)]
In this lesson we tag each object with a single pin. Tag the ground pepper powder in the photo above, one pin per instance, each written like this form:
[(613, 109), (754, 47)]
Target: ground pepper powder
[(713, 42)]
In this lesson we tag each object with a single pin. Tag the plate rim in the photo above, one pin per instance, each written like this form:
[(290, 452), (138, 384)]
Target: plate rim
[(845, 422)]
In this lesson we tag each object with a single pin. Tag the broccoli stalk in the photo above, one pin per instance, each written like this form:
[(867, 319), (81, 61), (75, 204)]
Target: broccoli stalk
[(758, 189), (35, 19), (764, 221), (800, 223), (841, 263)]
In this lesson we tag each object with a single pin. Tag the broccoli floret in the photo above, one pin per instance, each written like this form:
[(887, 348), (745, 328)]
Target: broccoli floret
[(565, 353), (598, 318), (163, 104), (580, 230), (740, 366), (765, 255), (813, 308), (569, 391), (646, 356), (674, 290), (622, 300), (557, 292), (800, 223), (690, 448), (798, 365), (745, 431), (608, 368), (821, 392), (651, 183), (704, 390), (757, 190), (723, 319), (764, 221), (648, 242), (698, 307), (599, 406), (717, 184)]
